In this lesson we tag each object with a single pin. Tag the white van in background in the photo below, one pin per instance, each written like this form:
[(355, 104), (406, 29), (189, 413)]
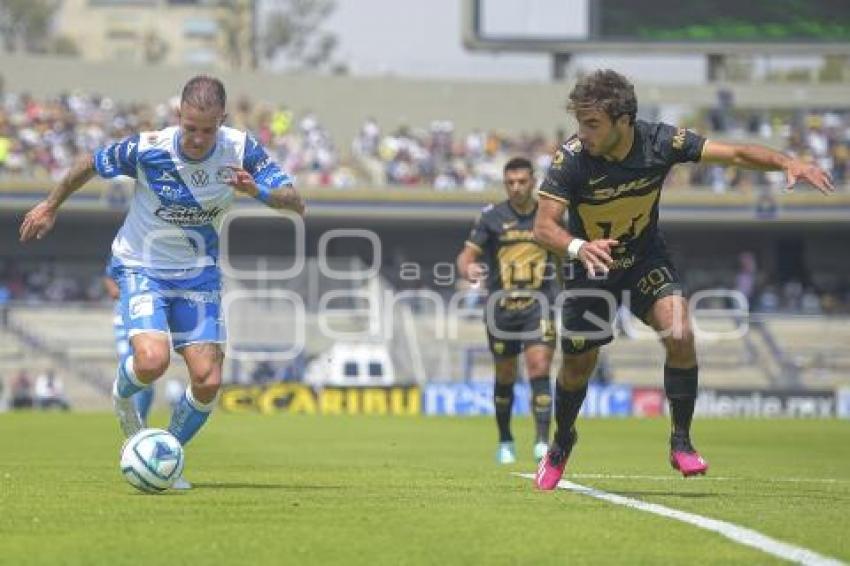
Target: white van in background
[(352, 364)]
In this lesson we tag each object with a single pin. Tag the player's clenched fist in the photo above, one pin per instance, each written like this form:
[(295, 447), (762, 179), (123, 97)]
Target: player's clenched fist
[(282, 197), (242, 182), (475, 272), (596, 255)]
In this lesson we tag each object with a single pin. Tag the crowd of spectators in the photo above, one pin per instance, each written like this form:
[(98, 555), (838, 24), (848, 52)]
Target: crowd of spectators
[(47, 391), (821, 137), (437, 156), (40, 138), (48, 282)]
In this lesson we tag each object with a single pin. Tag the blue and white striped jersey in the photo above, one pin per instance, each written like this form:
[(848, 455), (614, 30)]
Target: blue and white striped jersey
[(179, 203)]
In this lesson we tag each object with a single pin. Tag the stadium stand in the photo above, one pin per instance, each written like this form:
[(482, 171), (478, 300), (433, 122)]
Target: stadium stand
[(79, 332), (449, 156), (23, 351), (76, 341), (813, 348), (39, 138)]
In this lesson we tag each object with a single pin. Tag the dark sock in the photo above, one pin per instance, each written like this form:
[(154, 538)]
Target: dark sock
[(541, 406), (680, 385), (503, 400), (567, 406)]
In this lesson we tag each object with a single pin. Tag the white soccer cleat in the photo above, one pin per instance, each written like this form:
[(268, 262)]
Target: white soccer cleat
[(181, 483), (506, 453), (125, 410)]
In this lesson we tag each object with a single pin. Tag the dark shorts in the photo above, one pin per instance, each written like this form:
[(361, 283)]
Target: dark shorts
[(511, 331), (590, 305)]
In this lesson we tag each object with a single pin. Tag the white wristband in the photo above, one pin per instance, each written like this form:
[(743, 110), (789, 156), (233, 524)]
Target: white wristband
[(574, 247)]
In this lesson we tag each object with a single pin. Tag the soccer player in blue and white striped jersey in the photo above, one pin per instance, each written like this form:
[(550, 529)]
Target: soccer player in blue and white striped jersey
[(165, 256)]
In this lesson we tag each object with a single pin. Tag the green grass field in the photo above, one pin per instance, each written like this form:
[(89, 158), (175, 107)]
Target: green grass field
[(371, 490)]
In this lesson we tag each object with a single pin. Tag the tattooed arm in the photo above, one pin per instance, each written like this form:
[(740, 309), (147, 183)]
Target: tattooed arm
[(40, 219)]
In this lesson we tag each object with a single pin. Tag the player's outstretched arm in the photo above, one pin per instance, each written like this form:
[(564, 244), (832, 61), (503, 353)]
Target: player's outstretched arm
[(762, 158), (551, 234), (40, 219), (285, 197)]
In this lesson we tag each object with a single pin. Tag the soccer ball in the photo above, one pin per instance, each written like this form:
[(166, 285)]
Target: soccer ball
[(151, 460)]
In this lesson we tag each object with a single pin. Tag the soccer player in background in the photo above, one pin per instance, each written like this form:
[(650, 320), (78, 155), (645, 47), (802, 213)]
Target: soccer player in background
[(610, 177), (144, 398), (518, 271), (165, 256)]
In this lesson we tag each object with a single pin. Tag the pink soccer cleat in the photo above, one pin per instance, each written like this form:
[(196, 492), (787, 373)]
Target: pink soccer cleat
[(552, 465), (685, 458)]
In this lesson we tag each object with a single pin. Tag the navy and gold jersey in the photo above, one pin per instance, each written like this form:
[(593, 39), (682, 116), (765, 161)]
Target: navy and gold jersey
[(516, 262), (619, 199)]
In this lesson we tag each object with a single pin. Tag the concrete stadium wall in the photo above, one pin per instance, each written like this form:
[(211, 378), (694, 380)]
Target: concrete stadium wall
[(342, 103)]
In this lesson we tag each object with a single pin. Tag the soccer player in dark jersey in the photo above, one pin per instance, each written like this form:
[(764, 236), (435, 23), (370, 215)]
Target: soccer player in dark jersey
[(522, 284), (610, 177)]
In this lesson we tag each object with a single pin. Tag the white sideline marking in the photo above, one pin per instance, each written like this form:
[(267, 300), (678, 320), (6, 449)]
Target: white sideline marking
[(704, 478), (742, 535)]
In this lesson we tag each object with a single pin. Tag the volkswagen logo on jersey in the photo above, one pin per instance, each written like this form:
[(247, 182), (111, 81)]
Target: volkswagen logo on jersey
[(200, 178), (187, 215)]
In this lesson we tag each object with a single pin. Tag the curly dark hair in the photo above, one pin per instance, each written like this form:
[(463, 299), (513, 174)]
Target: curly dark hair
[(605, 90)]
